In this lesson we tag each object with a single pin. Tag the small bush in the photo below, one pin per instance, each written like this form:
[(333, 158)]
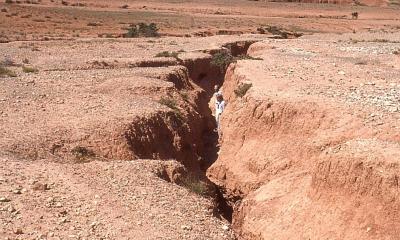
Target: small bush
[(169, 102), (361, 62), (9, 1), (27, 69), (167, 54), (195, 185), (222, 60), (380, 40), (82, 153), (242, 89), (93, 24), (396, 52), (26, 61), (124, 6), (185, 96), (133, 32), (142, 30), (247, 57), (78, 4), (5, 72)]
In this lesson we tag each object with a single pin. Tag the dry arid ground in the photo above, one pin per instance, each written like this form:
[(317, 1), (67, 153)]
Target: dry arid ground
[(103, 136)]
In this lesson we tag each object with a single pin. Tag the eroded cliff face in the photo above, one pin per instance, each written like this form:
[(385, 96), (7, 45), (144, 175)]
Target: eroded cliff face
[(298, 163)]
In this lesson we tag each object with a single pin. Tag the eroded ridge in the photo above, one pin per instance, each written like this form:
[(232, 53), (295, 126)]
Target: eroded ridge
[(97, 114), (307, 153)]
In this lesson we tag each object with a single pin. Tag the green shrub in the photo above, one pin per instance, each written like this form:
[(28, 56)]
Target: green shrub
[(5, 72), (142, 30), (185, 96), (82, 153), (223, 59), (246, 57), (195, 185), (242, 89), (380, 40), (27, 69), (167, 54), (132, 33), (171, 103)]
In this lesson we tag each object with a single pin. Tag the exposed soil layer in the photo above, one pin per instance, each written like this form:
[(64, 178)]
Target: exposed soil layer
[(87, 110), (311, 150), (310, 144)]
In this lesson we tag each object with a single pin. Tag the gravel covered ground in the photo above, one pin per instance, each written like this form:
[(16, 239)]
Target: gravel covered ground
[(101, 200)]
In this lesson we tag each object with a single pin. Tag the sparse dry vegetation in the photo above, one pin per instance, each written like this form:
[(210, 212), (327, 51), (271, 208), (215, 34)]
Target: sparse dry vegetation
[(94, 24), (172, 104), (5, 72), (242, 89), (376, 40), (167, 54), (28, 69), (185, 96), (169, 102), (361, 62), (247, 57), (82, 154), (223, 59), (142, 30), (195, 185)]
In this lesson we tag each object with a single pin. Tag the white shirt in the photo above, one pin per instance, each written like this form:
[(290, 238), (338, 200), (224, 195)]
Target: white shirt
[(219, 107)]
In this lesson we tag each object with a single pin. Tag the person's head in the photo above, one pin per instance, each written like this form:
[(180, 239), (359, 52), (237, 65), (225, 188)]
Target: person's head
[(220, 98), (216, 87)]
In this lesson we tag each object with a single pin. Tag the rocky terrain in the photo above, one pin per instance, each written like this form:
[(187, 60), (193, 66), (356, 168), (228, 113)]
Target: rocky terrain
[(103, 136), (52, 20), (101, 200), (72, 110)]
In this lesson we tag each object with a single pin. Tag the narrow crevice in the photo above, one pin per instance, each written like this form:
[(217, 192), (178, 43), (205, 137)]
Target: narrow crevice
[(224, 208), (207, 78), (190, 138)]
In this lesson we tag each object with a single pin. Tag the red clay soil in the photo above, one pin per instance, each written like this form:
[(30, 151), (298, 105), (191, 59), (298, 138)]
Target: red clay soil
[(75, 109), (311, 151)]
